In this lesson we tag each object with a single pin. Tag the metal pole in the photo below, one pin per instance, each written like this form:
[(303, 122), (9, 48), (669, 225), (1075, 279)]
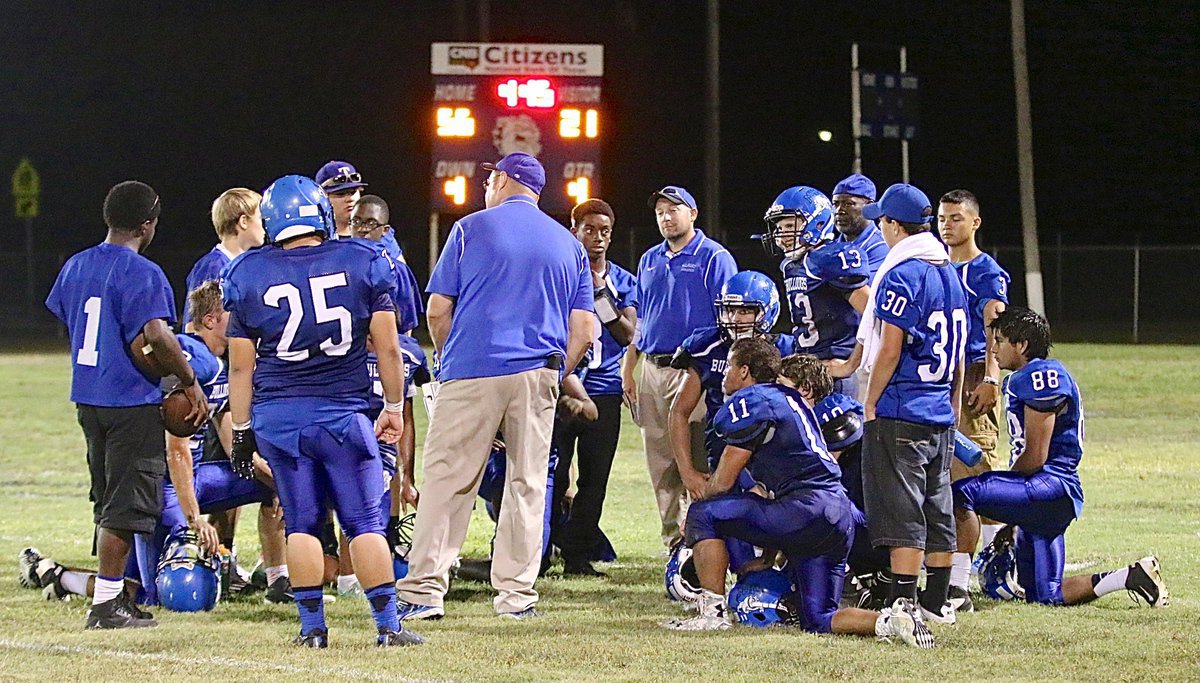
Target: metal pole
[(855, 109), (1029, 236), (485, 20), (434, 237), (712, 140), (1058, 277), (31, 296), (1137, 278), (903, 140)]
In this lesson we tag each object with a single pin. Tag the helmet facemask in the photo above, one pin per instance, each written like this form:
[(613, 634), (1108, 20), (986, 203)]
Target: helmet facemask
[(786, 234), (740, 319)]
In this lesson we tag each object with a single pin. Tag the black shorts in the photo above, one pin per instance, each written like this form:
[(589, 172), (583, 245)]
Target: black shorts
[(906, 485), (127, 457)]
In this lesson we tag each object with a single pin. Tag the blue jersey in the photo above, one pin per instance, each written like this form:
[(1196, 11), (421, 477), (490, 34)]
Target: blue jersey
[(791, 457), (415, 374), (871, 243), (983, 280), (1047, 387), (818, 287), (709, 354), (404, 290), (106, 294), (603, 375), (927, 302), (308, 310), (209, 267), (213, 379)]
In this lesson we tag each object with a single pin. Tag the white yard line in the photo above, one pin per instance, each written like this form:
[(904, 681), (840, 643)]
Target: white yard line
[(227, 662)]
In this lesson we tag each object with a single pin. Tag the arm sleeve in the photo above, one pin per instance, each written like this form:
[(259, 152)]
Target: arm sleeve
[(896, 303), (993, 285), (54, 300), (446, 278), (382, 282), (584, 298), (231, 300), (626, 291), (145, 296), (721, 267), (742, 421), (1044, 400)]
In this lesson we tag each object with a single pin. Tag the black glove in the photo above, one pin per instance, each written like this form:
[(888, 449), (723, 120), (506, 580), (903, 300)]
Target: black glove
[(242, 456), (393, 532)]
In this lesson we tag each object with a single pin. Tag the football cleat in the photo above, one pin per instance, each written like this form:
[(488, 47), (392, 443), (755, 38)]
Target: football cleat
[(389, 638), (960, 600), (115, 613), (52, 588), (1145, 582), (280, 592), (317, 638), (713, 616), (27, 563), (945, 616), (133, 607), (411, 610), (527, 613), (898, 622)]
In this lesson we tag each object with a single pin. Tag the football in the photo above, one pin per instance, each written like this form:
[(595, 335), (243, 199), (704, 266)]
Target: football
[(175, 408), (144, 360)]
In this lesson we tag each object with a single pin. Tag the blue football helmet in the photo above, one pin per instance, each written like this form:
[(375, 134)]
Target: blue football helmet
[(758, 598), (188, 578), (997, 565), (293, 206), (814, 225), (747, 288), (841, 420), (683, 584)]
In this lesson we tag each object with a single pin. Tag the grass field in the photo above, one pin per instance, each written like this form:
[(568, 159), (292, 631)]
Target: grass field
[(1140, 480)]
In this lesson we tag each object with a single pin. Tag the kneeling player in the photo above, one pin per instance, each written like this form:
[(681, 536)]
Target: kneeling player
[(1041, 494), (771, 433)]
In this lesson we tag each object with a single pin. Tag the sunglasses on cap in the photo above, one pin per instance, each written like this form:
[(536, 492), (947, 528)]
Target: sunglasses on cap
[(342, 179)]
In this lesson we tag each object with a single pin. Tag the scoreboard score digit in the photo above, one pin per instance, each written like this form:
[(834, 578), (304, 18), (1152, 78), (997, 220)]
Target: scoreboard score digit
[(492, 99)]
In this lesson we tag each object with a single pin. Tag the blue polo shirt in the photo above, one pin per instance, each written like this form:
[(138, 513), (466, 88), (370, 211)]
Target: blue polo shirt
[(106, 295), (676, 291), (515, 275), (208, 267), (870, 242)]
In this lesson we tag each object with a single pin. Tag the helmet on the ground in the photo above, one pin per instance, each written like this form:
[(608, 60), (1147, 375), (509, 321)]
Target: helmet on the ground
[(187, 578), (683, 584), (758, 598), (998, 569), (814, 225), (294, 206), (748, 288)]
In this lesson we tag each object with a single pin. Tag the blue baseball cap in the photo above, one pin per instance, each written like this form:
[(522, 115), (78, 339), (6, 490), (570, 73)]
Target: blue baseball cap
[(336, 176), (903, 203), (858, 185), (675, 195), (523, 168)]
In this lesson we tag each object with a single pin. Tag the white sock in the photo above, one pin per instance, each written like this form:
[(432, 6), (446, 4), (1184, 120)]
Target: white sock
[(106, 589), (1111, 582), (987, 532), (960, 570), (76, 582), (347, 583), (276, 573)]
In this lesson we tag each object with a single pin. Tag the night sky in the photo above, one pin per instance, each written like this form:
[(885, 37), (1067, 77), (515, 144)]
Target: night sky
[(198, 97)]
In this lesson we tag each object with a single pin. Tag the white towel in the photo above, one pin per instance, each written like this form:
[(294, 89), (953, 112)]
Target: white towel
[(923, 246)]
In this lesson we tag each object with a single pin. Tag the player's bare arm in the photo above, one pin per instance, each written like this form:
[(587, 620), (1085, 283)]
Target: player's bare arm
[(733, 461), (859, 298), (890, 344), (983, 397), (681, 436), (167, 351), (629, 389), (390, 425), (406, 493), (179, 465), (576, 401), (841, 369), (1039, 427)]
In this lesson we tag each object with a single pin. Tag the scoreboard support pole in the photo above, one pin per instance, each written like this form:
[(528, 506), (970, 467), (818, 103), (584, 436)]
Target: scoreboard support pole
[(434, 239)]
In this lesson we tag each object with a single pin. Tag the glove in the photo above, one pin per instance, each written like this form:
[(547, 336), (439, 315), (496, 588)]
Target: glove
[(242, 456), (393, 532)]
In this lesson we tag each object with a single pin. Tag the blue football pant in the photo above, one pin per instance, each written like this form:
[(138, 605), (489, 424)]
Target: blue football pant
[(814, 530), (1040, 506), (491, 489)]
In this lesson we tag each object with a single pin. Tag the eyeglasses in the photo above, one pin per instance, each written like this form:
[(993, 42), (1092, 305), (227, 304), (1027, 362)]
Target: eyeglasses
[(368, 225), (488, 181), (342, 179)]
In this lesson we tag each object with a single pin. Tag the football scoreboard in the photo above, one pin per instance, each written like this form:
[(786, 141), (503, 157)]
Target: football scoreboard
[(492, 99)]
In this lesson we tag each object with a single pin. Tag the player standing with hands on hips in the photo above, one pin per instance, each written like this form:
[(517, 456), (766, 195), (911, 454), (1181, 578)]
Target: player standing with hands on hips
[(300, 312), (108, 295), (912, 333), (510, 312)]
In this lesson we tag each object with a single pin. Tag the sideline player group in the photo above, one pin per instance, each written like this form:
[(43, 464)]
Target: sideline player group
[(796, 462)]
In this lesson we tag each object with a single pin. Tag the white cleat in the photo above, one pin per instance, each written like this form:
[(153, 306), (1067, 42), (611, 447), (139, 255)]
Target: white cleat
[(945, 618), (1145, 582), (899, 622)]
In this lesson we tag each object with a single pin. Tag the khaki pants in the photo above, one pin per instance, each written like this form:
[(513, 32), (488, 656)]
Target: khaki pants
[(982, 428), (656, 391), (467, 414)]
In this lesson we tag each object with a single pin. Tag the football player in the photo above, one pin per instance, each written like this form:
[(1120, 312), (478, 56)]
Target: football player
[(371, 221), (771, 432), (826, 279), (1042, 494), (236, 218), (300, 312), (986, 286)]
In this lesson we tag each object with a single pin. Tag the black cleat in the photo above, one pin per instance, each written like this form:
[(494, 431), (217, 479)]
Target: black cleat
[(280, 592), (115, 614), (960, 599), (52, 588), (581, 569), (389, 638), (1144, 581), (317, 638), (133, 607)]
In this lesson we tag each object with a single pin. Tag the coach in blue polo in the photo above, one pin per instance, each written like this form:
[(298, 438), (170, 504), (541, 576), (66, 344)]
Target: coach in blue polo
[(678, 280), (510, 311)]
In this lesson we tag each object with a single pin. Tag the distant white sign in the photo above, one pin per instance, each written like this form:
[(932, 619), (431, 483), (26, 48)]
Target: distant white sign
[(501, 59)]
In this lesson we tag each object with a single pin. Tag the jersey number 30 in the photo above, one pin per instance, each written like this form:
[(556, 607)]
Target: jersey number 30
[(947, 346), (276, 295)]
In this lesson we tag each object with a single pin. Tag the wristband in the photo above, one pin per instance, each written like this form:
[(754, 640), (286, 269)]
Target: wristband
[(396, 408), (992, 381), (606, 308)]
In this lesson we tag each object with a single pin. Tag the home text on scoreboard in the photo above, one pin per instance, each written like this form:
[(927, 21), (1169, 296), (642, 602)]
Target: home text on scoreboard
[(492, 99)]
